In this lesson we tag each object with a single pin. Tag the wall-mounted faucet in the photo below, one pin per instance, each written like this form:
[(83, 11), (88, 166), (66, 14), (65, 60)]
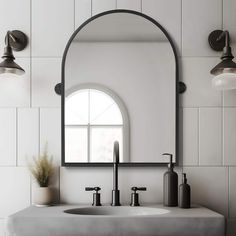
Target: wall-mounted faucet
[(115, 192)]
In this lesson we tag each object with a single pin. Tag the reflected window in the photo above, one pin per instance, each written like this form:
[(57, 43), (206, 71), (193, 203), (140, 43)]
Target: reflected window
[(93, 122)]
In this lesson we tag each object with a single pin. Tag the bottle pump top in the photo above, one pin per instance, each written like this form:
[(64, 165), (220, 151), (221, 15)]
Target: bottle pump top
[(184, 178), (170, 165)]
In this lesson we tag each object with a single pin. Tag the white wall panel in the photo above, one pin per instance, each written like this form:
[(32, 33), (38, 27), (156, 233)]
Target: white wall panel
[(46, 74), (8, 137), (28, 135), (2, 227), (52, 25), (15, 194), (229, 20), (229, 136), (200, 18), (197, 77), (168, 14), (190, 136), (210, 136), (99, 6), (232, 192), (15, 15), (15, 90), (50, 132), (134, 5), (83, 11), (209, 187)]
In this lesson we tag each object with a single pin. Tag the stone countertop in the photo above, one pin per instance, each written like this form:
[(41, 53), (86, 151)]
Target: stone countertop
[(53, 221)]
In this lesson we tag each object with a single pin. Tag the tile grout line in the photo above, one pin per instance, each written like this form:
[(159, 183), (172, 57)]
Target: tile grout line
[(222, 14), (74, 15), (91, 11), (39, 129), (228, 192), (59, 184), (141, 6), (198, 134), (31, 82), (16, 138), (222, 135), (31, 192), (181, 28)]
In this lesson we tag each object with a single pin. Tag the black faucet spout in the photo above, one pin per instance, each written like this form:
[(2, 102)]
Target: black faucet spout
[(116, 160)]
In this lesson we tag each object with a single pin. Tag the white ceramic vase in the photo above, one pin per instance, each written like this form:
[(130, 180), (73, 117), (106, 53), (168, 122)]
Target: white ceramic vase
[(42, 196)]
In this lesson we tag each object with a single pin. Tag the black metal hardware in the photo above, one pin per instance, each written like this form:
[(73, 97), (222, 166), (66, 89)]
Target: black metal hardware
[(17, 40), (214, 41), (135, 195), (58, 88), (96, 195), (125, 164), (219, 40), (115, 198), (14, 40), (182, 87)]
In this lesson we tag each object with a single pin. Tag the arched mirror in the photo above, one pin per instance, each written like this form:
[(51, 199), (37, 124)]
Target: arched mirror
[(119, 82)]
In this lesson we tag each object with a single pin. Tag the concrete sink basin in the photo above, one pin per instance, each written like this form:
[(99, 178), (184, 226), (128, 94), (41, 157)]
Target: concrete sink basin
[(117, 211), (149, 220)]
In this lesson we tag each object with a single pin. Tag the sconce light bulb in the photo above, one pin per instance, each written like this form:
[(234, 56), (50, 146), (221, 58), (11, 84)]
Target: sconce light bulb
[(224, 81), (9, 76)]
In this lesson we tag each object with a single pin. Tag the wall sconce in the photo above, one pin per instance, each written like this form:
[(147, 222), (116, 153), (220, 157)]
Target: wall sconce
[(224, 72), (17, 41)]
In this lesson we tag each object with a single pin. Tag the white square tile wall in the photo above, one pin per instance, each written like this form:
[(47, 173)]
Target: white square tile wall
[(199, 18), (197, 77), (15, 91), (8, 136), (83, 11), (46, 74), (30, 109), (52, 25), (21, 10), (134, 5), (190, 136), (158, 9), (2, 227), (210, 136), (99, 6), (16, 184), (27, 135), (206, 190)]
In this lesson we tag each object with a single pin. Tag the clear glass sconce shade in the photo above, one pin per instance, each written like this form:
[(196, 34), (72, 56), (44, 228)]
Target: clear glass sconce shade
[(224, 81), (9, 66)]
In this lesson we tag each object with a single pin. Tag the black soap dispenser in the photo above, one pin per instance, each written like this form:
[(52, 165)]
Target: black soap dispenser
[(170, 185), (184, 194)]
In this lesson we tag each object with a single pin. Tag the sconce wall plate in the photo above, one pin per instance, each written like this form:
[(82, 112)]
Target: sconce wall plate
[(214, 41), (17, 40)]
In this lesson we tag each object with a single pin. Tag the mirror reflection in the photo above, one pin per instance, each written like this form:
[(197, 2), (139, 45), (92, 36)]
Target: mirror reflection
[(120, 84)]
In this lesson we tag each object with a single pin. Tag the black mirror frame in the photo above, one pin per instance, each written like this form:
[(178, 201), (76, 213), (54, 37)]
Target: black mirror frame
[(61, 91)]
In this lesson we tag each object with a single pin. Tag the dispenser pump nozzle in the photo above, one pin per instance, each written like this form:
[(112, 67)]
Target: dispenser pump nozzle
[(170, 165), (184, 178)]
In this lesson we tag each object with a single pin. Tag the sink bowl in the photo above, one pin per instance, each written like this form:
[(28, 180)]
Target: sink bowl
[(117, 211), (147, 220)]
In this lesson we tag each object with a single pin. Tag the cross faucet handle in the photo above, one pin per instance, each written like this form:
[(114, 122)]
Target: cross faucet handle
[(135, 195), (135, 189), (96, 195), (93, 189)]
